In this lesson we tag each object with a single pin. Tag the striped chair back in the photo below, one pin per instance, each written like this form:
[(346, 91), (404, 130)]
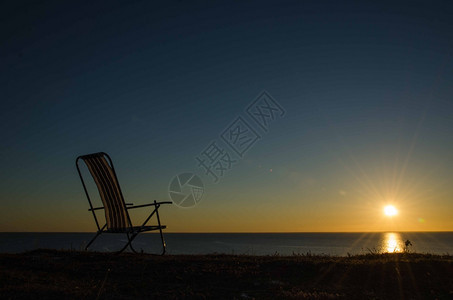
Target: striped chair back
[(104, 176)]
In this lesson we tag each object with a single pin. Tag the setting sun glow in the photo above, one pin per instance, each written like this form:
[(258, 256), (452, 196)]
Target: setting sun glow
[(390, 210)]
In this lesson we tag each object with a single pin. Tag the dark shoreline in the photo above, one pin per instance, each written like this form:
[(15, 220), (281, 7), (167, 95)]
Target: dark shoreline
[(89, 275)]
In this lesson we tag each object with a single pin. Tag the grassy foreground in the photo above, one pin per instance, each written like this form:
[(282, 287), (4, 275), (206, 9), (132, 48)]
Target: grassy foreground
[(88, 275)]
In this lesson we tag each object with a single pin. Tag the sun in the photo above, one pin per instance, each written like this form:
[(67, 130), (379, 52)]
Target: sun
[(390, 211)]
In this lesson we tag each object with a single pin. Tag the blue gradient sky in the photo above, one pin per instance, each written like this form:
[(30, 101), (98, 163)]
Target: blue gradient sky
[(366, 88)]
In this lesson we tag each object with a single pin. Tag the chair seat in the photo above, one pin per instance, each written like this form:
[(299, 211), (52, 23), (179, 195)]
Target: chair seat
[(135, 229)]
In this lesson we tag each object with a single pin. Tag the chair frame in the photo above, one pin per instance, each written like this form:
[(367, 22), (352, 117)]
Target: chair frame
[(131, 231)]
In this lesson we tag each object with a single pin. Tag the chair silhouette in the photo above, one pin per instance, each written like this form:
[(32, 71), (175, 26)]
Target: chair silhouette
[(117, 219)]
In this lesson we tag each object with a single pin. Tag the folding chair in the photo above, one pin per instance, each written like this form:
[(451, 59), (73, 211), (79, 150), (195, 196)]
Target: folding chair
[(116, 210)]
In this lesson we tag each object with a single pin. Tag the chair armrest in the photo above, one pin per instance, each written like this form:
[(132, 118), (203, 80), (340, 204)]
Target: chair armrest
[(96, 208), (151, 204), (164, 202)]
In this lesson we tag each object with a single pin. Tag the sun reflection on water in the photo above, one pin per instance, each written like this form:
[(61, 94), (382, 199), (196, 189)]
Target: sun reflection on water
[(392, 242)]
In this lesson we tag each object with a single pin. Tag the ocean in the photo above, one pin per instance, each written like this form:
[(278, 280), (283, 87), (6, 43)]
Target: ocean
[(339, 244)]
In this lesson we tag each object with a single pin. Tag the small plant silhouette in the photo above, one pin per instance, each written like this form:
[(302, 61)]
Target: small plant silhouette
[(407, 244)]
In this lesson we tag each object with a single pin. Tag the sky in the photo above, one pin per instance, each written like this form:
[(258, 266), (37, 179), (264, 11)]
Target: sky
[(361, 91)]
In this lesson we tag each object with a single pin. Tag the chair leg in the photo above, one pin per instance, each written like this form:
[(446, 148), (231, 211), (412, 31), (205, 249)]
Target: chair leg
[(92, 240), (132, 237), (132, 248), (164, 246), (97, 234), (128, 244)]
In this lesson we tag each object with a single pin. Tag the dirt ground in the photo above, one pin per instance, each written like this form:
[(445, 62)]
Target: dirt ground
[(49, 274)]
